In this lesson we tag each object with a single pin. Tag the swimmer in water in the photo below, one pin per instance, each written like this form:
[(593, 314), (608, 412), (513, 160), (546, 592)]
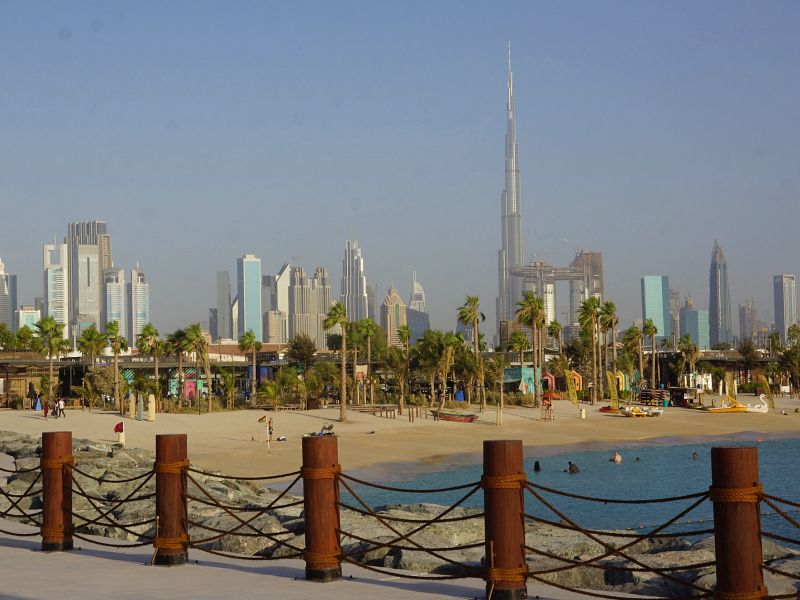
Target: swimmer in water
[(695, 456), (617, 458), (573, 468), (537, 467)]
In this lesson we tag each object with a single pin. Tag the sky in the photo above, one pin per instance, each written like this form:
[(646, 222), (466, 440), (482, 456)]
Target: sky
[(202, 130)]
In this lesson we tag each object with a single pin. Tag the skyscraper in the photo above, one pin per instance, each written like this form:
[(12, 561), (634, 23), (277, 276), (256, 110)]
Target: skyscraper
[(309, 301), (114, 303), (748, 321), (655, 304), (89, 251), (694, 323), (138, 297), (417, 313), (248, 286), (719, 298), (785, 294), (510, 254), (27, 316), (56, 284), (354, 282), (393, 316), (275, 296), (8, 297), (224, 316)]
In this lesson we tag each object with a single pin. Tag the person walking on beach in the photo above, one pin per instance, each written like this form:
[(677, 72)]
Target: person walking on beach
[(46, 408), (61, 408)]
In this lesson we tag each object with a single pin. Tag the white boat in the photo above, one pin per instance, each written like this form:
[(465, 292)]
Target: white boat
[(759, 408)]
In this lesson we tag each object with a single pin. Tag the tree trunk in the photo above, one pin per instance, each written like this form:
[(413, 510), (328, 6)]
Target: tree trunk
[(343, 391), (208, 379), (180, 382), (653, 358), (50, 382), (253, 379), (116, 383), (158, 384), (593, 395), (369, 370)]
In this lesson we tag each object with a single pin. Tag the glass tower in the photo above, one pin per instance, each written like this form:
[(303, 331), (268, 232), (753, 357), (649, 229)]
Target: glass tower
[(248, 279)]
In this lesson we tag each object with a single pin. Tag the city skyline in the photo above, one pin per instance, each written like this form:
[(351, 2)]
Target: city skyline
[(285, 150)]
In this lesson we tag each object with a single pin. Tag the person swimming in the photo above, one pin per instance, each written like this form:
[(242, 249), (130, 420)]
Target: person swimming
[(537, 467), (695, 456), (573, 468), (617, 458)]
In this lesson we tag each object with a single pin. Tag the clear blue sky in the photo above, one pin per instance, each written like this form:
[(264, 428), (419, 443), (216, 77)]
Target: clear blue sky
[(204, 130)]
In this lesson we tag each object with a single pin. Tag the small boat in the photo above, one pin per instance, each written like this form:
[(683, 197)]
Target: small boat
[(762, 408), (609, 409), (633, 411), (457, 416), (729, 405)]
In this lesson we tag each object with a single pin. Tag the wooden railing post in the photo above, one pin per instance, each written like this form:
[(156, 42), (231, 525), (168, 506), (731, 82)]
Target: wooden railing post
[(320, 508), (503, 475), (735, 491), (56, 491), (171, 540)]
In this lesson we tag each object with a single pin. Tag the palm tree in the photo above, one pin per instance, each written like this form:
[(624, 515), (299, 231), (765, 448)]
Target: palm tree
[(118, 345), (609, 321), (404, 333), (23, 341), (178, 345), (91, 343), (554, 331), (199, 344), (530, 312), (497, 369), (518, 342), (49, 340), (249, 343), (428, 351), (149, 343), (689, 353), (470, 315), (337, 316), (588, 317), (649, 329)]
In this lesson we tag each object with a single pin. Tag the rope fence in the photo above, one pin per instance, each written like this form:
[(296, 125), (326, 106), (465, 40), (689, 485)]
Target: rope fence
[(512, 510)]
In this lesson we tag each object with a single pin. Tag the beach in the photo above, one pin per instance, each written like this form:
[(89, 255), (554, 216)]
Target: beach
[(235, 442)]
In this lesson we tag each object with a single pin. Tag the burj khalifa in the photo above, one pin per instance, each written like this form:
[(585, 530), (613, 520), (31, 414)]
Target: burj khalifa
[(510, 254)]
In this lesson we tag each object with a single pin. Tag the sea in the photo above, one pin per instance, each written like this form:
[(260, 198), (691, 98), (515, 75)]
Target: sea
[(664, 468)]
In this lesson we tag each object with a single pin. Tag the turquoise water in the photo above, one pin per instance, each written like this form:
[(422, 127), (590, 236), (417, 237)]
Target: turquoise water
[(662, 470)]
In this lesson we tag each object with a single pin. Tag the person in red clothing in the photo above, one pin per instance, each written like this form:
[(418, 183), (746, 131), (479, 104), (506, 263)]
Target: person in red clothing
[(46, 408)]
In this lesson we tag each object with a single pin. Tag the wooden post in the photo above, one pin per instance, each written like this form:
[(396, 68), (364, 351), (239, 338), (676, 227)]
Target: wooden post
[(56, 491), (171, 541), (503, 475), (320, 508), (735, 491)]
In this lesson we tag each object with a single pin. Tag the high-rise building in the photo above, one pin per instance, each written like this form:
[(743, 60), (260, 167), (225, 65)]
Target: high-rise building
[(276, 327), (309, 301), (275, 294), (694, 323), (372, 303), (27, 316), (354, 282), (393, 316), (235, 317), (655, 304), (785, 295), (719, 298), (8, 297), (224, 316), (56, 284), (138, 303), (511, 252), (248, 286), (417, 313), (675, 313), (748, 321), (89, 252), (114, 308), (213, 325)]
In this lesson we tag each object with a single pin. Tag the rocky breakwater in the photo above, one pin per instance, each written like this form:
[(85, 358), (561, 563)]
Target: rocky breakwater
[(556, 547)]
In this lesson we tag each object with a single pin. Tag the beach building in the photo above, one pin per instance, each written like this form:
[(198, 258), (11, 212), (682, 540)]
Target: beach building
[(694, 323), (393, 316), (138, 303), (656, 304), (719, 298), (354, 282), (56, 282), (784, 290), (8, 297), (248, 287)]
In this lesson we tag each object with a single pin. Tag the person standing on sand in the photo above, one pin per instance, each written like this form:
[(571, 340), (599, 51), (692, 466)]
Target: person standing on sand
[(61, 408), (46, 408)]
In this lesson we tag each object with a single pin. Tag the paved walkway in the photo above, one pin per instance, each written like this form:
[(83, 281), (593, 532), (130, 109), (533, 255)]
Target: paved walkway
[(93, 572)]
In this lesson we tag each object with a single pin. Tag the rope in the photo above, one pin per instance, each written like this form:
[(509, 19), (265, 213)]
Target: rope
[(55, 533), (171, 543), (612, 567), (757, 595), (749, 495), (782, 573), (173, 468), (781, 513), (365, 513), (390, 488), (605, 596), (104, 480), (226, 532), (616, 501), (313, 473), (515, 575), (322, 560), (503, 482), (780, 538), (262, 477), (243, 556), (19, 471), (14, 533), (405, 576), (14, 504), (782, 500), (147, 542), (246, 508), (378, 546), (57, 463), (616, 534)]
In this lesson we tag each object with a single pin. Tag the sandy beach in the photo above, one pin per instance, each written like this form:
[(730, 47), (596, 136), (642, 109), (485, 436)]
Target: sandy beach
[(234, 442)]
